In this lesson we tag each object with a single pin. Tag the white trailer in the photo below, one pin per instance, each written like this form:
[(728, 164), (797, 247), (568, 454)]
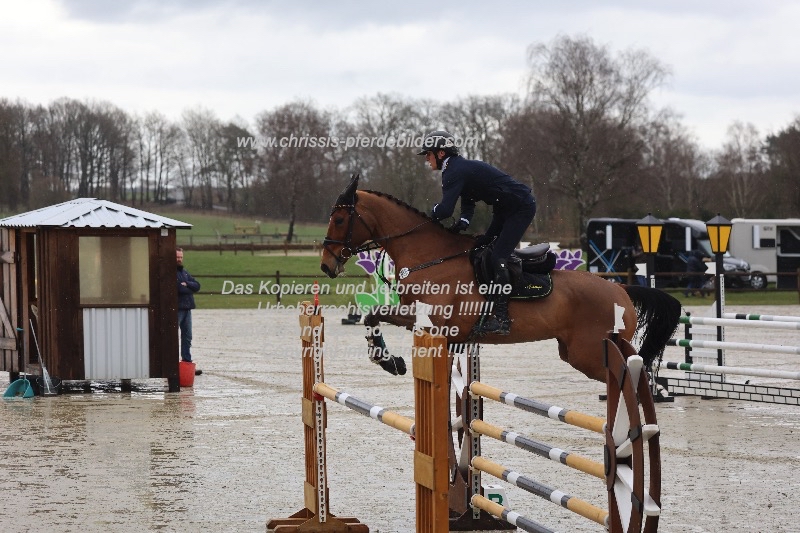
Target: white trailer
[(769, 245)]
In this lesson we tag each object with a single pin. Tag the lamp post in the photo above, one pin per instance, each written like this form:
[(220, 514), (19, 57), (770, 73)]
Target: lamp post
[(719, 233), (650, 235), (649, 229)]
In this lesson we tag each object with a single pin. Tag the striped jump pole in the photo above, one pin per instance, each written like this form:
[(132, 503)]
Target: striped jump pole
[(558, 455), (742, 371), (767, 318), (573, 418), (576, 505), (513, 518), (429, 430), (376, 412), (718, 386), (631, 424), (710, 321), (744, 346)]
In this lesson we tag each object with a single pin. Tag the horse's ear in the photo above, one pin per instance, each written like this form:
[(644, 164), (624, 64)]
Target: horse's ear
[(348, 195)]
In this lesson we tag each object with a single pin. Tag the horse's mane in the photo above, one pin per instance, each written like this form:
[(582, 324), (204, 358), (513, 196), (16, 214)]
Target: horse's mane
[(413, 209), (400, 202)]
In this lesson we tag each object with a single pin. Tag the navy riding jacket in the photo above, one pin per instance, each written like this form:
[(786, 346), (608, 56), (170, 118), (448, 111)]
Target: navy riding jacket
[(474, 181)]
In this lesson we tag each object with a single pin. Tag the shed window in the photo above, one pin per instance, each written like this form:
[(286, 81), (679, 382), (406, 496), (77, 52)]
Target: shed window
[(114, 270)]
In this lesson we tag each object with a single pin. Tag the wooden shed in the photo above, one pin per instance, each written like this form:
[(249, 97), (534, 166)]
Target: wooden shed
[(96, 282)]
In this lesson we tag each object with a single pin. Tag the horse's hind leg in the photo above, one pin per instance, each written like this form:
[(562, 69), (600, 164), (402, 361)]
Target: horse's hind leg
[(585, 354)]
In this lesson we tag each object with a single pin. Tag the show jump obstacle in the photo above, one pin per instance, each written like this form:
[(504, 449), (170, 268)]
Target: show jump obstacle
[(626, 434), (710, 381), (445, 500), (429, 430)]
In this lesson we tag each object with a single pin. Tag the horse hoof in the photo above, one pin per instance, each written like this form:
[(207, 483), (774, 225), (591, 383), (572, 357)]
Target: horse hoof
[(394, 365)]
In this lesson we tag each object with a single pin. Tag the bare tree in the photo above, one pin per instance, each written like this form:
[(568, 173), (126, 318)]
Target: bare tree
[(202, 131), (157, 139), (236, 164), (593, 103), (296, 164), (480, 120), (388, 123), (57, 141), (119, 132), (14, 162), (742, 165), (524, 153), (783, 150), (673, 168)]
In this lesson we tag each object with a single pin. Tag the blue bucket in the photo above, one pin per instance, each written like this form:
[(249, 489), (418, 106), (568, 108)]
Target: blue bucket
[(20, 388)]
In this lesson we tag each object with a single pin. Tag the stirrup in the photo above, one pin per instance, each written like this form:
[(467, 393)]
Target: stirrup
[(493, 325)]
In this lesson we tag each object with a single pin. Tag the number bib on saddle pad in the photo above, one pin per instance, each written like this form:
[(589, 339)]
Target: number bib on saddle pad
[(529, 278)]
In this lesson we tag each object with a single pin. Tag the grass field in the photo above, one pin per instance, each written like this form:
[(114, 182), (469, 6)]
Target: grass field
[(246, 281), (232, 274), (208, 227)]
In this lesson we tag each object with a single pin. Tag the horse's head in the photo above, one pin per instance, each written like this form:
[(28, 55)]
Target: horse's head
[(346, 232)]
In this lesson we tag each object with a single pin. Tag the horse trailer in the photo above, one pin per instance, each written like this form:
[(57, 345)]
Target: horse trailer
[(770, 246), (613, 247)]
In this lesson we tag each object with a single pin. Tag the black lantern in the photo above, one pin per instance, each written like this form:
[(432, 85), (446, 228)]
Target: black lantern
[(719, 233), (649, 233)]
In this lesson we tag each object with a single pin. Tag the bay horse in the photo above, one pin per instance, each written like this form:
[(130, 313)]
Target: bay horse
[(434, 268)]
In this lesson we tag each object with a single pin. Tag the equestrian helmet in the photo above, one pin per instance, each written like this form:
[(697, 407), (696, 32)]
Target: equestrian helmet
[(439, 140)]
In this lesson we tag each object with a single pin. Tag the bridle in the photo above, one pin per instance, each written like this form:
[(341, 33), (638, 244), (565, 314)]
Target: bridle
[(372, 243)]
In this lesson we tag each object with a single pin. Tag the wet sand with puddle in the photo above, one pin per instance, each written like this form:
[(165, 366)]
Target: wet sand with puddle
[(226, 455)]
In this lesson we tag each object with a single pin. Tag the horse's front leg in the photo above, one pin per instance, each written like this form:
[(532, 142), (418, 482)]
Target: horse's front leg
[(378, 352)]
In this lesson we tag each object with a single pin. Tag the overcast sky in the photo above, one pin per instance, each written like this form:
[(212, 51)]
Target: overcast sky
[(730, 59)]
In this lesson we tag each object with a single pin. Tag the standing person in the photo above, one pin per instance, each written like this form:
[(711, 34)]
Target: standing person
[(187, 286), (513, 209), (695, 268)]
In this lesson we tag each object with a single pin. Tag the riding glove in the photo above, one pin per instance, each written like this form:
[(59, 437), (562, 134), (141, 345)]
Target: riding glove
[(483, 240), (459, 226)]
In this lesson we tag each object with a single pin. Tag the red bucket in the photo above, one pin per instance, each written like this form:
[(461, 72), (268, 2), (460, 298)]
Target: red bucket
[(186, 373)]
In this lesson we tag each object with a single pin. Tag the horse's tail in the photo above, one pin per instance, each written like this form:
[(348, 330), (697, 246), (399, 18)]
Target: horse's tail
[(658, 316)]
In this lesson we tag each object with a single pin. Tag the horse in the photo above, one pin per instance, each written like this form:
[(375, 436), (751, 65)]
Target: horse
[(434, 268)]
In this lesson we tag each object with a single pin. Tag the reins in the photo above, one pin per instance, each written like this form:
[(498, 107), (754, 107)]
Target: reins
[(374, 243), (371, 244)]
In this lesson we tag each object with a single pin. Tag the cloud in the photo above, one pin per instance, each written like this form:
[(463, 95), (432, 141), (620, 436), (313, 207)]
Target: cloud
[(731, 60)]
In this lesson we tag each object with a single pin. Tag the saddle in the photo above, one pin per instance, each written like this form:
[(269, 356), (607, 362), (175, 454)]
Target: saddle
[(528, 267)]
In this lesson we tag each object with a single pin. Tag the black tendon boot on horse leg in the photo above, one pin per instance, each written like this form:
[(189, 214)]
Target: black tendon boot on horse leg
[(498, 323), (379, 354)]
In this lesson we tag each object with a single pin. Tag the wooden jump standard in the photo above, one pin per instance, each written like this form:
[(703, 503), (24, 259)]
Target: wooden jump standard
[(429, 430)]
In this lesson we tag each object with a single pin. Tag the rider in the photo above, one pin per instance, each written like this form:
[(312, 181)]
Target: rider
[(513, 209)]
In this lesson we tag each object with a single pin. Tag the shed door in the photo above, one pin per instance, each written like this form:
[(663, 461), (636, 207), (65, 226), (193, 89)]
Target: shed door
[(9, 356)]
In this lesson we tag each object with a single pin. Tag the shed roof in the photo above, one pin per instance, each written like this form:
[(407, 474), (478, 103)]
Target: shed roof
[(90, 213)]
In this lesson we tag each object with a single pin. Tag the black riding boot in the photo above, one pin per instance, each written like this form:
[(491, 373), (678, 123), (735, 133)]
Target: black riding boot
[(498, 323)]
